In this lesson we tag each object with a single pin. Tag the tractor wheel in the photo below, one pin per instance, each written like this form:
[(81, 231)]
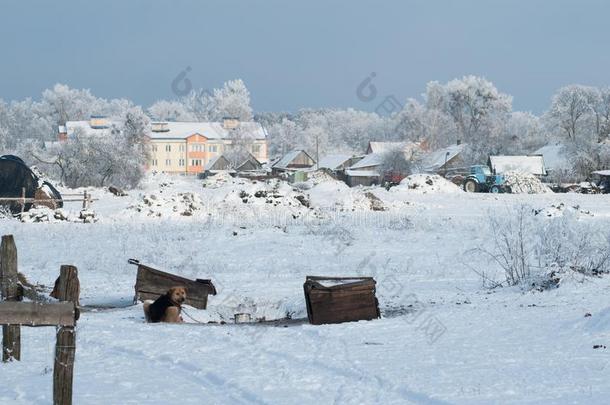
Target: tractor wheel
[(495, 189), (471, 186)]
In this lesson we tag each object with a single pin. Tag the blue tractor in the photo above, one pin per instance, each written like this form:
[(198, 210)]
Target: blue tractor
[(482, 180)]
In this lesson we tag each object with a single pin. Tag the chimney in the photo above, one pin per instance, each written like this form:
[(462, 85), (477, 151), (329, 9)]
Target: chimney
[(98, 122), (62, 133), (159, 127), (230, 122)]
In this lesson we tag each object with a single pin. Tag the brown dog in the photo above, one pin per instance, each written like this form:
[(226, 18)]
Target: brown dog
[(167, 307)]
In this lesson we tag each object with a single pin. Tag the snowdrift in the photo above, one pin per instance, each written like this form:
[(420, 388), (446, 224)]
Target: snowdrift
[(428, 183)]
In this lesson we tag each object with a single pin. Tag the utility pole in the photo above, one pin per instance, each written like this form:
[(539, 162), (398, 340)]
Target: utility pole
[(317, 152)]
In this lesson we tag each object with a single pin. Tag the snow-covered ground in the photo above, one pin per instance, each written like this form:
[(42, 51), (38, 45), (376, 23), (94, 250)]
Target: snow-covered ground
[(443, 338)]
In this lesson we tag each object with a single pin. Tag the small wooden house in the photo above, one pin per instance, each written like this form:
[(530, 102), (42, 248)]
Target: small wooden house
[(152, 283), (293, 161), (248, 164), (340, 299), (218, 163), (365, 172)]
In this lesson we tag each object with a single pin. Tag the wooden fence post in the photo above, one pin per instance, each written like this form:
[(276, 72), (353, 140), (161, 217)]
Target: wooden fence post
[(65, 346), (11, 334)]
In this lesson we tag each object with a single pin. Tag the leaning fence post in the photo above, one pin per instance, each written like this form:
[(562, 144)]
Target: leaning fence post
[(11, 334), (65, 346)]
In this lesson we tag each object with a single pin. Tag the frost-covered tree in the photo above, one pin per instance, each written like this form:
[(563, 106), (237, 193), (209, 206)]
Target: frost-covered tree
[(232, 100), (416, 122), (63, 104), (524, 134), (394, 161), (94, 160), (601, 109), (283, 137), (163, 110), (135, 125), (241, 145), (572, 110), (478, 110)]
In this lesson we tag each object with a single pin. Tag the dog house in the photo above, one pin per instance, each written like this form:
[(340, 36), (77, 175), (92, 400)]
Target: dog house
[(152, 283), (340, 299)]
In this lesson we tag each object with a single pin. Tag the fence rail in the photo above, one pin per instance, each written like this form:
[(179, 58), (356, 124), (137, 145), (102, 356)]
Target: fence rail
[(86, 199)]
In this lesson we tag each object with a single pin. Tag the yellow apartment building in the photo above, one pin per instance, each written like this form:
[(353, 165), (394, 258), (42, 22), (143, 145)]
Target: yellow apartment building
[(183, 147)]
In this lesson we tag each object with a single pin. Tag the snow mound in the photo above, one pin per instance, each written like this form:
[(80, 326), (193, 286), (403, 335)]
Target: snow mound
[(427, 183), (221, 179), (336, 195), (320, 176), (524, 183), (180, 204)]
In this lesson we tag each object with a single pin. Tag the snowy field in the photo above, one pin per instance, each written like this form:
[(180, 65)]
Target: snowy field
[(443, 337)]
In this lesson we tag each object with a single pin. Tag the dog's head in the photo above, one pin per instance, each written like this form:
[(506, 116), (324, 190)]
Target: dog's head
[(177, 295)]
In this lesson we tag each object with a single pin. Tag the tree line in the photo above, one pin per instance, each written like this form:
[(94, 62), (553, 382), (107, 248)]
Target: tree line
[(470, 110)]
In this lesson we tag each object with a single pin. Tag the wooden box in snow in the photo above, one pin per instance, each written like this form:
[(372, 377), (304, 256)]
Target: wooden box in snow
[(152, 283), (340, 299)]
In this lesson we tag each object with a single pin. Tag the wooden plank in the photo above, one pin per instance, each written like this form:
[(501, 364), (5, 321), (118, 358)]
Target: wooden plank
[(65, 345), (36, 313), (152, 283), (9, 280)]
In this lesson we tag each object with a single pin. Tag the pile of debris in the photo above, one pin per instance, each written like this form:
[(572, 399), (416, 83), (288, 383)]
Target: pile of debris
[(524, 183), (184, 204), (427, 183), (45, 214), (558, 210)]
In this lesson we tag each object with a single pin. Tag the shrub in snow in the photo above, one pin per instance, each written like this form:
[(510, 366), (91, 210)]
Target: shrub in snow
[(535, 251)]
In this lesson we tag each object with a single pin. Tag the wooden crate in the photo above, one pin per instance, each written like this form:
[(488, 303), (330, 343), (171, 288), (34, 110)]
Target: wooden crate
[(152, 283), (340, 299)]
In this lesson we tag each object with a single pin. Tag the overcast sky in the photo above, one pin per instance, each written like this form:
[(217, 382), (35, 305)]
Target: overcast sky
[(302, 54)]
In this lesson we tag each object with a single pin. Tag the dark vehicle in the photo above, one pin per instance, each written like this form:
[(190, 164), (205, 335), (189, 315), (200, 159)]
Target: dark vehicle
[(18, 181)]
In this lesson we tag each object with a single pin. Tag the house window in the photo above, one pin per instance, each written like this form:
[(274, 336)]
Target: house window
[(154, 148), (195, 162), (154, 162), (181, 162), (212, 148), (168, 148), (168, 162), (256, 148), (181, 148)]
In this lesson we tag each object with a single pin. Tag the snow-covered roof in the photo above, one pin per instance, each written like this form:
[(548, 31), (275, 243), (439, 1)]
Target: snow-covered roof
[(602, 172), (554, 155), (211, 130), (84, 127), (214, 160), (333, 161), (533, 164), (382, 147), (437, 159), (289, 157), (370, 160), (175, 130), (362, 173)]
